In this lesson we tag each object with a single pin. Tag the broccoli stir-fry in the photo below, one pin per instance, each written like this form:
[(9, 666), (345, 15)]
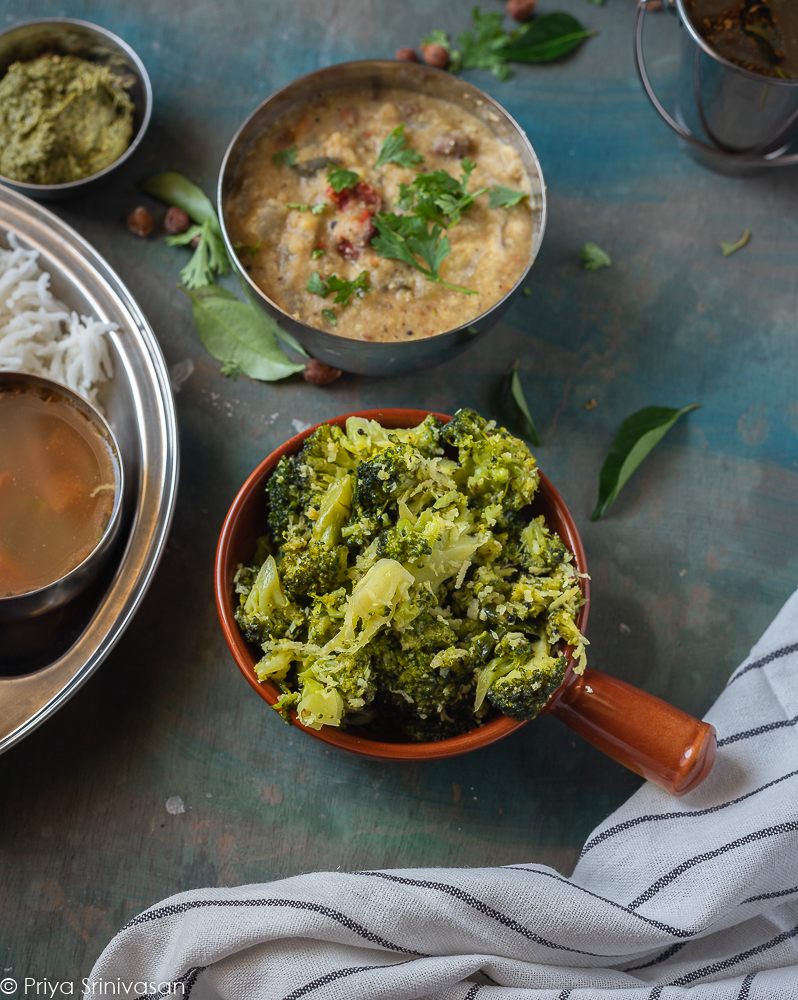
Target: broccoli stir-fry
[(404, 581)]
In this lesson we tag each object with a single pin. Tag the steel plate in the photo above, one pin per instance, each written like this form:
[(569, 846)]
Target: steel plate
[(43, 663)]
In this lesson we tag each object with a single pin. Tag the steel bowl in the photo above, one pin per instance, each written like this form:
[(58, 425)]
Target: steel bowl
[(374, 357), (67, 36), (43, 661), (246, 521), (35, 603)]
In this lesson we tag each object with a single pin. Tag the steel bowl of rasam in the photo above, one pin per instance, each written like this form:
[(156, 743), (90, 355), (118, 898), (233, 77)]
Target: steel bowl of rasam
[(384, 213), (61, 488), (75, 102)]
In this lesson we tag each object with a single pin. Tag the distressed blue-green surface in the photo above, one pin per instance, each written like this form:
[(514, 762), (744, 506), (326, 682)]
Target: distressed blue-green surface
[(695, 558)]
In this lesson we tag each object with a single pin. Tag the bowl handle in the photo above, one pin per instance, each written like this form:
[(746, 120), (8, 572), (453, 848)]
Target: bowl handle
[(642, 732)]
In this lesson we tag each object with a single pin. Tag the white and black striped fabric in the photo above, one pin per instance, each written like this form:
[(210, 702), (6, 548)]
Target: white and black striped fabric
[(672, 898)]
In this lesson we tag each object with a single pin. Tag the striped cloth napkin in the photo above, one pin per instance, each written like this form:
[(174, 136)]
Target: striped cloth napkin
[(694, 897)]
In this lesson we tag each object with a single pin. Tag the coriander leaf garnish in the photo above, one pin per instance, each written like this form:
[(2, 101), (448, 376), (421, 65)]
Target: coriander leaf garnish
[(319, 208), (340, 179), (343, 288), (594, 257), (438, 196), (239, 247), (504, 197), (394, 149), (210, 257), (285, 157), (727, 249), (636, 436), (403, 237), (329, 315), (488, 46), (318, 252)]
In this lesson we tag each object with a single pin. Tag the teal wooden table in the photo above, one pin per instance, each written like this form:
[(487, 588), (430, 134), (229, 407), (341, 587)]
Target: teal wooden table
[(695, 558)]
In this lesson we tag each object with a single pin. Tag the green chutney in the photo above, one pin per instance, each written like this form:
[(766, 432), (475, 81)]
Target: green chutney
[(62, 118)]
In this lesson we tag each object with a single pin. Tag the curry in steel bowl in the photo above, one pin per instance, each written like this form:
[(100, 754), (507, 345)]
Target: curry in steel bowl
[(384, 215)]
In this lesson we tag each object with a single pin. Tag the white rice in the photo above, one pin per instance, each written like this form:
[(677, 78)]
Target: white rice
[(40, 336)]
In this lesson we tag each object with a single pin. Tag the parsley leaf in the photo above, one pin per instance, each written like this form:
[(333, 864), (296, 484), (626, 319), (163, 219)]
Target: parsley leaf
[(404, 237), (285, 157), (318, 209), (594, 257), (343, 288), (504, 197), (340, 179), (318, 252), (394, 149), (329, 315)]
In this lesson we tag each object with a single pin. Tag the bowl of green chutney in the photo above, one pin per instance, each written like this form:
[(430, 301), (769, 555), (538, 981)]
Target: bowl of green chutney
[(75, 102)]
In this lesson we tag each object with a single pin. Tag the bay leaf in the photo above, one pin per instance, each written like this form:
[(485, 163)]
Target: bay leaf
[(237, 333), (636, 437)]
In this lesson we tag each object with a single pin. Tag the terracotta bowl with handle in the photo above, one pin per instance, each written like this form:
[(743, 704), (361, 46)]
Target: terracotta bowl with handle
[(644, 733)]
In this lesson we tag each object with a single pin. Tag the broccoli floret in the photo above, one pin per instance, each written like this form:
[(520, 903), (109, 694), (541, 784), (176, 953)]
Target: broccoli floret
[(402, 542), (318, 564), (520, 677), (427, 684), (498, 470), (265, 611)]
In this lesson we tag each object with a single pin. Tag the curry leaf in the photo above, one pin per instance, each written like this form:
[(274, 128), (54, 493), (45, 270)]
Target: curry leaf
[(238, 334), (636, 437), (594, 257), (511, 402), (727, 249), (545, 38), (271, 323)]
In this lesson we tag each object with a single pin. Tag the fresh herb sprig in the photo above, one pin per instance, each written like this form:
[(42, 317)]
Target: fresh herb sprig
[(441, 198), (394, 149), (239, 334), (343, 288), (594, 258), (405, 237), (210, 257), (504, 197), (727, 249), (489, 46)]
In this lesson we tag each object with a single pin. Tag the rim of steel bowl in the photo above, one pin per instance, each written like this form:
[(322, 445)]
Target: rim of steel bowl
[(143, 110), (246, 520)]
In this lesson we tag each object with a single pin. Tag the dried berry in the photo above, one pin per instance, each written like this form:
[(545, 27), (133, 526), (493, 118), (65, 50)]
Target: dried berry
[(406, 54), (435, 55), (317, 373), (176, 221), (521, 10), (140, 221)]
